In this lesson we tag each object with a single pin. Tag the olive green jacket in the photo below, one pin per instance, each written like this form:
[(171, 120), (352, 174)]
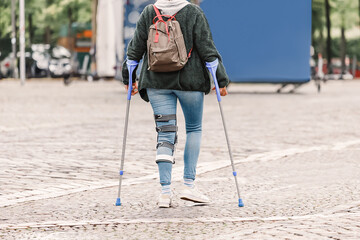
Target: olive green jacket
[(194, 76)]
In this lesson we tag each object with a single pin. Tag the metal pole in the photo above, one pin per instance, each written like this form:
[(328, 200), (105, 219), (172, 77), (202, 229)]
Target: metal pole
[(13, 41), (124, 147), (212, 66), (22, 41), (94, 7), (230, 152), (131, 65)]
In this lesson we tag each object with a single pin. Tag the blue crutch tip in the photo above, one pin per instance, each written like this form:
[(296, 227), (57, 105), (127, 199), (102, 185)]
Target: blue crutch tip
[(118, 202), (241, 204)]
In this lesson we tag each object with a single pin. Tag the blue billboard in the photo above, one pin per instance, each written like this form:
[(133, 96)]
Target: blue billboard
[(262, 40)]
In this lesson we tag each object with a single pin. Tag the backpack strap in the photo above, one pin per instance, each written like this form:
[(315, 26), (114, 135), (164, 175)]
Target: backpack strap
[(160, 19), (189, 55), (158, 14)]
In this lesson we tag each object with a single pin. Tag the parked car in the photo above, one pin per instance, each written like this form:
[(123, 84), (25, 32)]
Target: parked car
[(6, 66)]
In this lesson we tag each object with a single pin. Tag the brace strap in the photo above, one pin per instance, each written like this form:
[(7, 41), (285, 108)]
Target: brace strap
[(165, 144), (165, 158), (164, 118), (167, 128)]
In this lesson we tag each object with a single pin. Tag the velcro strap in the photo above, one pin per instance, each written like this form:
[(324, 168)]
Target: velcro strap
[(165, 144), (167, 128), (165, 158), (164, 118)]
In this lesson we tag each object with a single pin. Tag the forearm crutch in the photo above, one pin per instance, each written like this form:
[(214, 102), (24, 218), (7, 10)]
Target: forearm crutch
[(212, 66), (131, 65)]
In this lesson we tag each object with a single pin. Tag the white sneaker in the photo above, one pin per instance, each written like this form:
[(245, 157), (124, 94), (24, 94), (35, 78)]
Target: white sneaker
[(193, 194), (164, 201)]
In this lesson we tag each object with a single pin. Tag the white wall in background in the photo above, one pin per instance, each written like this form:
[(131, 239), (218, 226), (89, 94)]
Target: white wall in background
[(109, 38)]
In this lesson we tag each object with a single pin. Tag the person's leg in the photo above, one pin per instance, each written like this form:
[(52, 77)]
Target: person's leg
[(192, 106), (164, 103)]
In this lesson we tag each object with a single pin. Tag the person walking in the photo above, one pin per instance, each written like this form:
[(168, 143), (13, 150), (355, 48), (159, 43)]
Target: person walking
[(188, 86)]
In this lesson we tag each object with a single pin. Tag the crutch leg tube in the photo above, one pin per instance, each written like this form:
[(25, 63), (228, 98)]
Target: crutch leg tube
[(212, 67), (131, 65)]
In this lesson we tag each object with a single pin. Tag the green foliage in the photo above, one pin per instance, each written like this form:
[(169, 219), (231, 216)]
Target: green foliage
[(318, 14), (46, 13), (5, 18), (343, 13), (5, 47), (353, 48)]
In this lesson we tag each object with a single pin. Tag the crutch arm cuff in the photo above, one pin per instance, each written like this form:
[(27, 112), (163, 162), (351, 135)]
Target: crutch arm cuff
[(221, 75), (125, 71)]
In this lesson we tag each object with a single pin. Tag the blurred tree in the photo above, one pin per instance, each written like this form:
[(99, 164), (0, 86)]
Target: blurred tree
[(93, 20), (331, 20), (33, 8), (318, 25), (45, 17), (94, 7), (328, 28), (60, 12), (5, 18), (344, 17)]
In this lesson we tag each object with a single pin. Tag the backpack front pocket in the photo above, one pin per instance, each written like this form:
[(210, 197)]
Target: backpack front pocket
[(163, 56)]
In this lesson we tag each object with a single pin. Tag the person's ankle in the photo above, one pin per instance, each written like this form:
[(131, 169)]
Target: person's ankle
[(189, 182), (166, 189)]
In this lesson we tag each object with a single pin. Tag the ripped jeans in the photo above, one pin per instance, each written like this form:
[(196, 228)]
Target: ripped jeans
[(164, 102)]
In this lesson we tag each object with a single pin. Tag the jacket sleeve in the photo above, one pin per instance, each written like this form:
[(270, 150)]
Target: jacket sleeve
[(138, 44), (206, 48)]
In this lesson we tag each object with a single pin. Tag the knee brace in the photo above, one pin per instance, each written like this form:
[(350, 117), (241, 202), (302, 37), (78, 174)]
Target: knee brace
[(166, 128)]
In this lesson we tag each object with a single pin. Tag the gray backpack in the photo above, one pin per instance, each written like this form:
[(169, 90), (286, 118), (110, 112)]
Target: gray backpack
[(165, 45)]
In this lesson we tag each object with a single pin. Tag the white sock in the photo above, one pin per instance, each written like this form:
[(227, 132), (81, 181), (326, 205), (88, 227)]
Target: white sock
[(165, 189), (189, 182)]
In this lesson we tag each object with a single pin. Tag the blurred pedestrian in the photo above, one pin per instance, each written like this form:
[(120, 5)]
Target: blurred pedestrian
[(188, 85)]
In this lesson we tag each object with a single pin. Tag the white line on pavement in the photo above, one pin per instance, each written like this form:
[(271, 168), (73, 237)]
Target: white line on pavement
[(33, 195), (42, 126), (326, 215)]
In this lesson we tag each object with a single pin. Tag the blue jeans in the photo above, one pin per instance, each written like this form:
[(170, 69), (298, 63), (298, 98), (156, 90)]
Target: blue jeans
[(164, 101)]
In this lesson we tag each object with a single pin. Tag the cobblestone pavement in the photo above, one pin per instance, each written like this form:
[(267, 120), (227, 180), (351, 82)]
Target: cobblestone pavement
[(297, 155)]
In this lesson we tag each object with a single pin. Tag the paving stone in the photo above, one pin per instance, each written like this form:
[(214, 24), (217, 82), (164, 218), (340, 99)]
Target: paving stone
[(297, 157)]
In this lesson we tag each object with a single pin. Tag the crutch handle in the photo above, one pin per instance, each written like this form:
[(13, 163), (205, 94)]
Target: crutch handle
[(212, 67), (131, 65)]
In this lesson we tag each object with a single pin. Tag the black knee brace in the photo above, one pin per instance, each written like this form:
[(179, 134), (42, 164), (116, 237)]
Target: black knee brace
[(166, 128)]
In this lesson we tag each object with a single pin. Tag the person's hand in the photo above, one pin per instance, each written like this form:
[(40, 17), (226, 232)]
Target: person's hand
[(223, 91), (134, 88)]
